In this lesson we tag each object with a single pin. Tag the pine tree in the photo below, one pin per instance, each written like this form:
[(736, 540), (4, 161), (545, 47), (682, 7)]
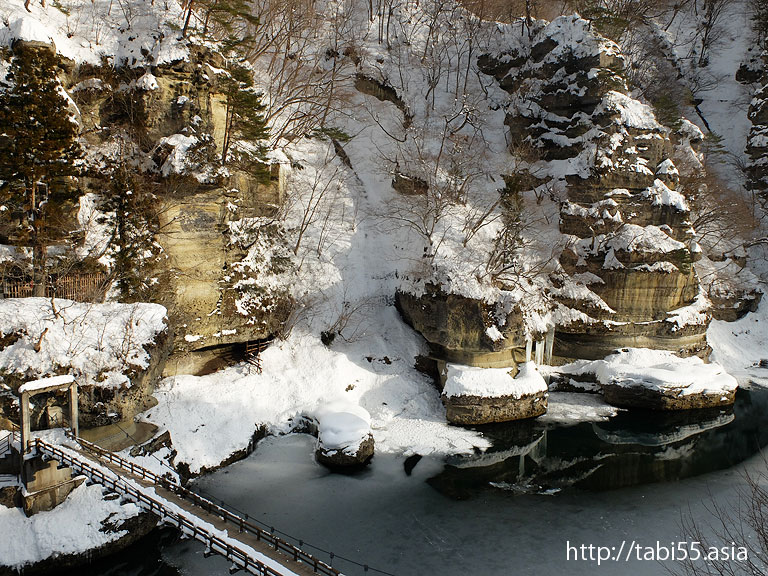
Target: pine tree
[(133, 205), (38, 147), (227, 19), (244, 112)]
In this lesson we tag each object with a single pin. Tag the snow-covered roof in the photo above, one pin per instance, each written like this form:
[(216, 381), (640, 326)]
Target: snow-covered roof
[(44, 383)]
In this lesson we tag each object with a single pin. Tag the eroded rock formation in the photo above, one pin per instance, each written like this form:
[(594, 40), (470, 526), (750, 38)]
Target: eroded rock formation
[(176, 116), (628, 229)]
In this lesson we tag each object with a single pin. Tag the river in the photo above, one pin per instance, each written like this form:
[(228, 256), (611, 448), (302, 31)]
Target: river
[(543, 487)]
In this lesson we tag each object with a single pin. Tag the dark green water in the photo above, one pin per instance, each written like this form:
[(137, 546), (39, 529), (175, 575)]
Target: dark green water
[(542, 484)]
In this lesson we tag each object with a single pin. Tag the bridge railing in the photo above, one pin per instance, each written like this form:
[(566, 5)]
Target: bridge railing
[(242, 524), (214, 543), (127, 465), (6, 444)]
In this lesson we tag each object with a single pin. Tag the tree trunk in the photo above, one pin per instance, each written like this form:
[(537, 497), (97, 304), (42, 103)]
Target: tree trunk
[(186, 20), (38, 268)]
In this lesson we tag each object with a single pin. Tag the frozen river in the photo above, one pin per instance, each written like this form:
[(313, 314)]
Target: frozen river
[(512, 511)]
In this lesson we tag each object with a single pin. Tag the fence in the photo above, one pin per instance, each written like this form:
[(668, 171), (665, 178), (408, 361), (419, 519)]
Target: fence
[(176, 518), (242, 524), (80, 287), (6, 443)]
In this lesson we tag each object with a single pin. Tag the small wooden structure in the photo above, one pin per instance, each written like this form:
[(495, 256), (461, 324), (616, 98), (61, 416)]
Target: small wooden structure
[(52, 384)]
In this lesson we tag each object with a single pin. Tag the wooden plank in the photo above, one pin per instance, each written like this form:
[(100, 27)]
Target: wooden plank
[(194, 510)]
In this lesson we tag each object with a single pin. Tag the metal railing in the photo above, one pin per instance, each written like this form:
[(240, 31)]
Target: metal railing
[(215, 544), (6, 444), (242, 524)]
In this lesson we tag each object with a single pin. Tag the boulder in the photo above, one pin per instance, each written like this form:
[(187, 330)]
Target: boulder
[(344, 438), (475, 410), (475, 396), (464, 330), (659, 380), (639, 395)]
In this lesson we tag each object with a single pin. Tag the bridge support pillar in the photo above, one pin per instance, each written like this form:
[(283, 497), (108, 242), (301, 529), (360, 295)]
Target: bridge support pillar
[(26, 431)]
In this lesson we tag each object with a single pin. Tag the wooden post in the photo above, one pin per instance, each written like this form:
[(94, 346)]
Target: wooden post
[(74, 409), (26, 431)]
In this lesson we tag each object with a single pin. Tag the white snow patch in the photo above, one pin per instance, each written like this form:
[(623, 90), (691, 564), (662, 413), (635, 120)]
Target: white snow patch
[(658, 370), (342, 426), (75, 526), (494, 333), (97, 343), (493, 382), (43, 383)]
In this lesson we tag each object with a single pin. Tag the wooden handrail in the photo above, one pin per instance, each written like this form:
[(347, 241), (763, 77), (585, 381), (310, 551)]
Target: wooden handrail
[(243, 525), (213, 542)]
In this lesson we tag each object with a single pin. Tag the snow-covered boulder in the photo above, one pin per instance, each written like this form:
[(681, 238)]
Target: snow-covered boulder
[(483, 395), (344, 438), (659, 380)]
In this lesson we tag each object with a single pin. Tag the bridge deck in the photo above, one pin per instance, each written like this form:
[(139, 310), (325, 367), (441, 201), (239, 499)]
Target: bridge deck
[(217, 522), (191, 513)]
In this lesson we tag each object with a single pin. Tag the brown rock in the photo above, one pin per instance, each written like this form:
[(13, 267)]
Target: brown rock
[(474, 410), (341, 459), (638, 396)]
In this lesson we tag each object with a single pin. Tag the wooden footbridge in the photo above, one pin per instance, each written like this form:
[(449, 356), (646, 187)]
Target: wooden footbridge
[(249, 547)]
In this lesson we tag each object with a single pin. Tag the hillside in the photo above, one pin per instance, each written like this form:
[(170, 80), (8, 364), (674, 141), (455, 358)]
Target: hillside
[(443, 214)]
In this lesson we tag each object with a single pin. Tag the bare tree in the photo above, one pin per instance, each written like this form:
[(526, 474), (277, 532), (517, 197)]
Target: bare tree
[(734, 539), (317, 203)]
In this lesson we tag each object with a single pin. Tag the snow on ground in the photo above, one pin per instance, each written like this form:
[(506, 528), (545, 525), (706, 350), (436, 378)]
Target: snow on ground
[(210, 417), (739, 346), (724, 100), (74, 527), (97, 343), (130, 33), (493, 382)]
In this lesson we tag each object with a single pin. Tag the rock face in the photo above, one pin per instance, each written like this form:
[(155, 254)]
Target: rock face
[(457, 329), (200, 261), (757, 143), (100, 406), (627, 224), (178, 115)]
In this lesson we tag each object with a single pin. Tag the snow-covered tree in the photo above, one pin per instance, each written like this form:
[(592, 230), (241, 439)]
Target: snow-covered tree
[(38, 148), (244, 115)]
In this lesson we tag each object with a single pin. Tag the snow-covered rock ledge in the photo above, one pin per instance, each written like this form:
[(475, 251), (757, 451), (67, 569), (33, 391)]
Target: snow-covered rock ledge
[(484, 395), (659, 380), (114, 351)]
